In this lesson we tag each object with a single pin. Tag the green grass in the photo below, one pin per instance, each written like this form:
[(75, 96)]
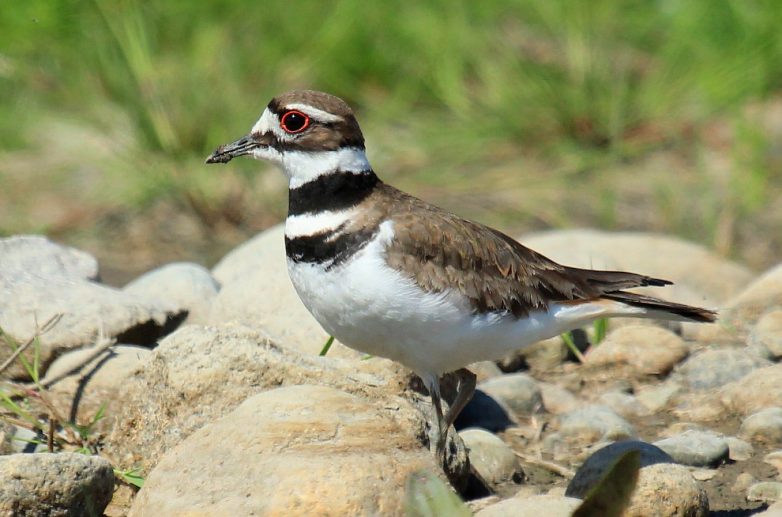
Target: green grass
[(448, 93)]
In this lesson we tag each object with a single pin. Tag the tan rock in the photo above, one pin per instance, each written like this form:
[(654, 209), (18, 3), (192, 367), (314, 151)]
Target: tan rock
[(667, 489), (650, 350), (532, 506), (290, 450), (759, 389)]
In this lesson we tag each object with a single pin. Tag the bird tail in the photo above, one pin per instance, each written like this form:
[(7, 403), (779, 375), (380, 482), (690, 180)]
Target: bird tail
[(663, 309)]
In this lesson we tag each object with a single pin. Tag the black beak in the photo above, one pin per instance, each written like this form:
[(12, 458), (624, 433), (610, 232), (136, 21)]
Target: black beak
[(227, 152)]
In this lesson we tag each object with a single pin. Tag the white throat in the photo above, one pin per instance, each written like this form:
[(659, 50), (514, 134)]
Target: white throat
[(302, 167)]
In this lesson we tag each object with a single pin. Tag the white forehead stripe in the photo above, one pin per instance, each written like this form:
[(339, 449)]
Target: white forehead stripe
[(323, 116)]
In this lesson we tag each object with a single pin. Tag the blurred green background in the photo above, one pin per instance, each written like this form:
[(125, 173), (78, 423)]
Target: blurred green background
[(525, 114)]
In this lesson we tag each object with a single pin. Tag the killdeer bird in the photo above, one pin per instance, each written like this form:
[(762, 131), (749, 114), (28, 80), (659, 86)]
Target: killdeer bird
[(394, 276)]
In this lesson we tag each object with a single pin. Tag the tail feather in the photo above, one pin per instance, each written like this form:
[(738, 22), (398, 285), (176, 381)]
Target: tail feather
[(686, 312)]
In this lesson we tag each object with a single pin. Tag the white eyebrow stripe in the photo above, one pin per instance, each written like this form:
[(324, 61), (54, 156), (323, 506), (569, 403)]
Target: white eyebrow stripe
[(323, 116)]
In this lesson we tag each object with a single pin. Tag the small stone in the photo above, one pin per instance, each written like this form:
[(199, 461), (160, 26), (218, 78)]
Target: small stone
[(739, 450), (767, 334), (593, 423), (774, 458), (484, 370), (37, 254), (545, 355), (655, 398), (714, 368), (557, 399), (763, 426), (765, 491), (775, 510), (650, 350), (625, 404), (696, 448), (518, 391), (27, 441), (496, 463), (667, 489), (597, 465), (54, 484), (759, 389), (743, 482), (535, 506), (484, 412), (186, 286), (704, 474)]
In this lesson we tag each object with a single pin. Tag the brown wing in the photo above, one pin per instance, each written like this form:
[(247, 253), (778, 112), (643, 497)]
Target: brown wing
[(496, 273)]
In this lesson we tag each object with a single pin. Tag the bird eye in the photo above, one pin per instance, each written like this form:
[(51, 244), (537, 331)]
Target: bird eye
[(294, 122)]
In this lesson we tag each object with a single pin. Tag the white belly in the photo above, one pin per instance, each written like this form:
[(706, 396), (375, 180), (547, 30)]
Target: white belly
[(377, 310)]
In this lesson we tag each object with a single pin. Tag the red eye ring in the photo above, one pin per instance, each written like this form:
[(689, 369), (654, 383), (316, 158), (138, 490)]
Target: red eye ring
[(294, 121)]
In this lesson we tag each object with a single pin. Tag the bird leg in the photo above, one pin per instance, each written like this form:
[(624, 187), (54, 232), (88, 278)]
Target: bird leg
[(433, 384), (464, 393)]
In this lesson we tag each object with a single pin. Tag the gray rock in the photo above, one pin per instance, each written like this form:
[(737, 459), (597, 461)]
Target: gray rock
[(667, 489), (257, 292), (766, 335), (739, 450), (594, 423), (714, 368), (624, 404), (54, 484), (655, 398), (532, 506), (518, 391), (496, 463), (319, 450), (764, 426), (37, 254), (89, 311), (598, 464), (757, 390), (765, 491), (774, 458), (557, 399), (184, 285), (696, 448)]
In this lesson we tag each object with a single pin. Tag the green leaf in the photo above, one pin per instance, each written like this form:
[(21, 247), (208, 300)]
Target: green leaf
[(601, 327), (325, 349), (131, 477), (427, 496), (611, 495)]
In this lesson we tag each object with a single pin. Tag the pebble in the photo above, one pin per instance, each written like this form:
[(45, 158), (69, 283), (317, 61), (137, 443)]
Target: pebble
[(648, 349), (625, 404), (485, 412), (696, 448), (493, 459), (547, 505), (517, 391), (593, 423), (763, 426), (774, 458), (655, 398), (485, 370), (759, 389), (667, 489), (743, 482), (714, 368), (765, 491), (739, 450), (557, 399), (65, 483), (596, 466), (545, 355), (766, 335)]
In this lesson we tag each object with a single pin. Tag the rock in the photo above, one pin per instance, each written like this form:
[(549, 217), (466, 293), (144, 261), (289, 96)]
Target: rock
[(199, 374), (743, 482), (766, 335), (54, 484), (588, 425), (624, 404), (765, 491), (37, 254), (81, 381), (318, 450), (774, 458), (484, 412), (532, 506), (518, 391), (484, 370), (257, 292), (759, 389), (714, 368), (6, 437), (756, 299), (496, 463), (739, 450), (649, 350), (701, 276), (557, 399), (764, 426), (775, 510), (598, 464), (696, 448), (545, 355), (184, 285), (655, 398), (89, 311), (699, 406), (667, 489)]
